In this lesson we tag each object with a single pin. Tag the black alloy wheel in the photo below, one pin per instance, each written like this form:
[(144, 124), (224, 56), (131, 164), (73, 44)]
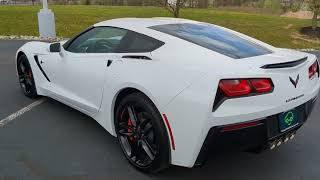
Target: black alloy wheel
[(26, 79), (142, 134)]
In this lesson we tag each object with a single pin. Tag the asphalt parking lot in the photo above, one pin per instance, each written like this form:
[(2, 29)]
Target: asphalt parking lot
[(53, 141)]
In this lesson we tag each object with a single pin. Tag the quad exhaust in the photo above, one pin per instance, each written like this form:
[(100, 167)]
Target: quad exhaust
[(279, 141)]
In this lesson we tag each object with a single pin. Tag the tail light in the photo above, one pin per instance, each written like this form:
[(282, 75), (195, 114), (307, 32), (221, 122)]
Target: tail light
[(314, 69), (232, 88), (243, 87), (262, 85), (235, 87)]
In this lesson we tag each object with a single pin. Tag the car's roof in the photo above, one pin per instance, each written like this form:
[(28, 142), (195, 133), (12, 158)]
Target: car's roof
[(142, 23)]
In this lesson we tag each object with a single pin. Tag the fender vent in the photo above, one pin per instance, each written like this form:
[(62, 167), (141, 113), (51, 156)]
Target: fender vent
[(39, 65), (285, 65)]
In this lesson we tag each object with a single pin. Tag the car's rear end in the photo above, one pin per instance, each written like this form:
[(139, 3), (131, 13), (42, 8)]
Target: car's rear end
[(263, 111), (252, 97)]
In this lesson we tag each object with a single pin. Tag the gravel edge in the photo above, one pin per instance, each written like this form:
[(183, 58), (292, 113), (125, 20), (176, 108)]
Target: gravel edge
[(31, 38)]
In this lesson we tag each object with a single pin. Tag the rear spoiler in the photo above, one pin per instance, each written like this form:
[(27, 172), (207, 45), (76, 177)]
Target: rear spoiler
[(285, 65)]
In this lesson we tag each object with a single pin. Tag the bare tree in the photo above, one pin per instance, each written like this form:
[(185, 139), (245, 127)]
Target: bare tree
[(174, 6), (314, 6)]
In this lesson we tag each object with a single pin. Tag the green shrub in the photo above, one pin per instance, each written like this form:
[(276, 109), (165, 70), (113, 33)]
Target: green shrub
[(295, 7), (272, 4), (85, 2)]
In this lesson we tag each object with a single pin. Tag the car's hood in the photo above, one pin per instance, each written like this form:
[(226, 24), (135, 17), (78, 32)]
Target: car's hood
[(39, 48), (36, 47)]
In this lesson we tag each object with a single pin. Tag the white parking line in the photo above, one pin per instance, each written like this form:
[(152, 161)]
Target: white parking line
[(13, 116)]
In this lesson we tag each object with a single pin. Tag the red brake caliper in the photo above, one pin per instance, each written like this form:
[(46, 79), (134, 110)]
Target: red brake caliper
[(129, 130), (29, 75)]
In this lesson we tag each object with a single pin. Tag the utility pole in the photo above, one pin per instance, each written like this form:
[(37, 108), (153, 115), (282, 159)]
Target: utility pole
[(47, 28)]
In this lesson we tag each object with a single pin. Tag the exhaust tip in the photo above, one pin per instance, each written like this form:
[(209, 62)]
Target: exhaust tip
[(286, 139), (279, 142), (292, 135), (272, 146)]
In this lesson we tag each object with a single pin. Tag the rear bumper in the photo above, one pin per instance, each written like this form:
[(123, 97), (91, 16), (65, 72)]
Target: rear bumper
[(252, 137)]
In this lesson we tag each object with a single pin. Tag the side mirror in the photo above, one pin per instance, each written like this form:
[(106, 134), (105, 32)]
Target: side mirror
[(55, 47)]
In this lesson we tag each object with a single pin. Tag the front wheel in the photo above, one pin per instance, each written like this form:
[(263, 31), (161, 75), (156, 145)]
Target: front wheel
[(141, 133), (26, 79)]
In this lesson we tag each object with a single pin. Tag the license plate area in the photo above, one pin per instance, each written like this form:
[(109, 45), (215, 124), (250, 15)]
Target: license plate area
[(288, 119)]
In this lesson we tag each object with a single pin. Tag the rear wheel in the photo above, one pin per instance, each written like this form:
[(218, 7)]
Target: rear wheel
[(141, 133), (26, 80)]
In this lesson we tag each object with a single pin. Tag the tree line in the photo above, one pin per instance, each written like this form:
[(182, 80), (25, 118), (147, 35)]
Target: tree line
[(188, 3)]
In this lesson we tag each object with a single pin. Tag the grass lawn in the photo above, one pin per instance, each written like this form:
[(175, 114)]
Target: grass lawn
[(277, 31)]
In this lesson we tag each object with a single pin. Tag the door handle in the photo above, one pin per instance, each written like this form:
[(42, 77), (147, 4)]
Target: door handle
[(109, 62)]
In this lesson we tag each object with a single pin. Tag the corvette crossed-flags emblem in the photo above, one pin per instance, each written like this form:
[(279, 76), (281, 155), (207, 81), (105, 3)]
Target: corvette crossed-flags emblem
[(294, 82)]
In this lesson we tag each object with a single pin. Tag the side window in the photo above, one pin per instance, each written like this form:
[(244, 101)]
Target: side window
[(137, 43), (98, 40)]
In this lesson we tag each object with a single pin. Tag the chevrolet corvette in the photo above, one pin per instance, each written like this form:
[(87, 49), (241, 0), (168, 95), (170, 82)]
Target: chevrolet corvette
[(173, 90)]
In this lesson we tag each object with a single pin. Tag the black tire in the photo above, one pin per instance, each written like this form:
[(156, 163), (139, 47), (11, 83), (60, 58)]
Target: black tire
[(145, 134), (26, 79)]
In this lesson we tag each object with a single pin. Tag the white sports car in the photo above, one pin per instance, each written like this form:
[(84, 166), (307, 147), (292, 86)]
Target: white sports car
[(171, 88)]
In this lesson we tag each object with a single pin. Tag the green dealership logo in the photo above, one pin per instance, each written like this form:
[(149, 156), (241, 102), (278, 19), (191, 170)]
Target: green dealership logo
[(288, 119)]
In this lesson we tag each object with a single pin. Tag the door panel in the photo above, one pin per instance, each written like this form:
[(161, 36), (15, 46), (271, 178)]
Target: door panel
[(82, 76), (78, 71), (77, 78)]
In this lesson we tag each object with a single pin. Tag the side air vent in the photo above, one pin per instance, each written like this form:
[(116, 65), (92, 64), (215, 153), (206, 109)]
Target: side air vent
[(285, 65), (39, 66), (137, 57)]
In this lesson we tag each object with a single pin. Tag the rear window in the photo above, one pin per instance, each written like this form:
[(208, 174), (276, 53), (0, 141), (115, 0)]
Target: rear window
[(214, 38)]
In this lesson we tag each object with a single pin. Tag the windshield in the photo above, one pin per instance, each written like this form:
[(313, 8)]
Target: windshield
[(214, 38)]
